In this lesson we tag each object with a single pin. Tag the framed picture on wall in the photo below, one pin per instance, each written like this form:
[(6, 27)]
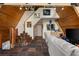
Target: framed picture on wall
[(46, 12)]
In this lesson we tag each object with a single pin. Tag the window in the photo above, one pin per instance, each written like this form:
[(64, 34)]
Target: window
[(50, 27), (29, 24)]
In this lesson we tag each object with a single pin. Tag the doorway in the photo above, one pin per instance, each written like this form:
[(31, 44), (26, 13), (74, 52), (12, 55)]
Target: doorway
[(38, 30)]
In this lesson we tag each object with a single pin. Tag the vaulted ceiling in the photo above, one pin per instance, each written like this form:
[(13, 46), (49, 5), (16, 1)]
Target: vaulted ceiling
[(9, 16), (68, 17)]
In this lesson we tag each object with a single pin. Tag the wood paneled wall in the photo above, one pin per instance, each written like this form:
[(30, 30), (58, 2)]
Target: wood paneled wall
[(9, 16), (5, 35), (68, 17)]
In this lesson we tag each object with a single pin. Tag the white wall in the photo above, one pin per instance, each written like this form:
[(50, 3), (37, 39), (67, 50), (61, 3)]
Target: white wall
[(53, 13), (33, 19), (45, 22), (77, 10), (20, 25)]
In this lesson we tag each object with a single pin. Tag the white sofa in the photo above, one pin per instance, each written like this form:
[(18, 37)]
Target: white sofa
[(6, 45), (59, 47)]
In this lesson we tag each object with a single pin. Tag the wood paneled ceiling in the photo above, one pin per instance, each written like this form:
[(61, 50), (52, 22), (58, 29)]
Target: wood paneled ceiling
[(68, 17), (10, 15)]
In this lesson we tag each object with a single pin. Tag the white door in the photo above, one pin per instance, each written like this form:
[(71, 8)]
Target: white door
[(38, 30)]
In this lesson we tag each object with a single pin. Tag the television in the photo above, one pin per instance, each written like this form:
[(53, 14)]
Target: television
[(46, 12), (73, 35)]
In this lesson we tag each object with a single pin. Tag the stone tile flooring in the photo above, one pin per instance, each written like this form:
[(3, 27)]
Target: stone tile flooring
[(37, 47)]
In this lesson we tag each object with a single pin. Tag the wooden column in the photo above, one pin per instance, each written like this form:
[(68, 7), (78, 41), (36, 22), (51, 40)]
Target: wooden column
[(0, 41), (13, 36)]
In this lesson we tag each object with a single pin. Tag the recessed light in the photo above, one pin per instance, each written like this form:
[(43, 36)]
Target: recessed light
[(20, 8), (62, 8)]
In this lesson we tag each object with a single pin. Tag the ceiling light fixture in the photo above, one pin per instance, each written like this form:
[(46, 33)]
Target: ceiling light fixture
[(62, 8), (20, 8)]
